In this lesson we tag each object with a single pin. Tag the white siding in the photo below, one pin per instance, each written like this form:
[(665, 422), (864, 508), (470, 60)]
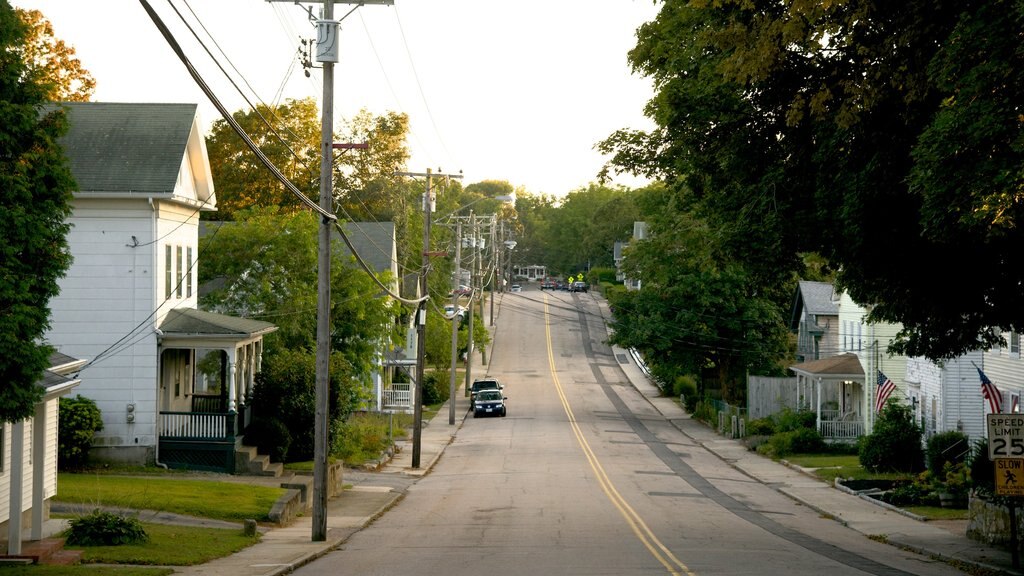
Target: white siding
[(105, 313), (5, 471), (50, 482), (870, 343)]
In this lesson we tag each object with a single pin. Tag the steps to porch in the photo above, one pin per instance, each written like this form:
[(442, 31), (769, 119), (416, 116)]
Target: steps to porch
[(46, 551), (249, 462)]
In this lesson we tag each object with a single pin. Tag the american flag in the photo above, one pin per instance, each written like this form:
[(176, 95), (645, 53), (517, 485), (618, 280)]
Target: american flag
[(990, 393), (885, 388)]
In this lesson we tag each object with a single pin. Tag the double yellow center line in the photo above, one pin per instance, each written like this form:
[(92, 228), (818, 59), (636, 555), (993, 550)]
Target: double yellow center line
[(635, 522)]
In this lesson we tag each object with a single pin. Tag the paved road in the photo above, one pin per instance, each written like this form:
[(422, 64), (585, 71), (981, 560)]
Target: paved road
[(585, 476)]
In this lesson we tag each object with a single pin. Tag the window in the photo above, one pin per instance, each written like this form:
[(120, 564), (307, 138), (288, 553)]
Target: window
[(188, 274), (177, 291), (1014, 344), (168, 265)]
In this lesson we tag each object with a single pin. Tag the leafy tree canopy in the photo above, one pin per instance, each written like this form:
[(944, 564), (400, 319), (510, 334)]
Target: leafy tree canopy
[(884, 136), (35, 202)]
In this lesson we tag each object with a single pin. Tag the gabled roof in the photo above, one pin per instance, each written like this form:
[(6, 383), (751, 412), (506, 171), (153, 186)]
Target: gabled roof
[(56, 380), (834, 367), (118, 149), (190, 322), (373, 241), (817, 298)]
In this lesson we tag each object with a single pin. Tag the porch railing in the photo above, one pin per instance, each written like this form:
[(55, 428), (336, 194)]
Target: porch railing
[(841, 430), (398, 395), (198, 425)]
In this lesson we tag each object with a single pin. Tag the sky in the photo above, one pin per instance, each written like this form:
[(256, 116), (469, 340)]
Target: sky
[(516, 91)]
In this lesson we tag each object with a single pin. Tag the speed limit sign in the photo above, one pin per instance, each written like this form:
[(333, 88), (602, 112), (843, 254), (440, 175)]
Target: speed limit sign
[(1005, 436)]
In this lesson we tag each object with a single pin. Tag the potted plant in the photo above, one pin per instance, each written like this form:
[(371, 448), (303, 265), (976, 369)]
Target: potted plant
[(954, 486)]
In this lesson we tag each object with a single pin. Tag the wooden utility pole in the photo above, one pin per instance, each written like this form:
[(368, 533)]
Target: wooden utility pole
[(327, 54), (456, 320), (421, 315)]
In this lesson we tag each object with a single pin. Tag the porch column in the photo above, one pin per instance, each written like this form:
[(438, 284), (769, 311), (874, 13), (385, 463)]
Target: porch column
[(39, 461), (232, 380), (818, 404), (243, 376), (17, 487)]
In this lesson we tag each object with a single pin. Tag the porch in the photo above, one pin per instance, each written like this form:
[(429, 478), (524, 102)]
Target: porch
[(208, 367), (833, 388)]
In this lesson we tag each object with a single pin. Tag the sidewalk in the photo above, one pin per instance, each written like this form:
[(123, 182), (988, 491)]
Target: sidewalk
[(859, 513)]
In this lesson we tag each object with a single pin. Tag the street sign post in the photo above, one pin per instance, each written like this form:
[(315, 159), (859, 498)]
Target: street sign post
[(1005, 436)]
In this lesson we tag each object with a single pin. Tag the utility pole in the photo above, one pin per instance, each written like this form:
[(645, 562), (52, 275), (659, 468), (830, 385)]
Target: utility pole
[(327, 54), (494, 263), (455, 322), (472, 278), (421, 315)]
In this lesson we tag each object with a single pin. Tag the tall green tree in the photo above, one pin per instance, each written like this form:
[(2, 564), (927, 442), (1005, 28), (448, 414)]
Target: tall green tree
[(698, 312), (885, 136), (288, 135), (35, 202)]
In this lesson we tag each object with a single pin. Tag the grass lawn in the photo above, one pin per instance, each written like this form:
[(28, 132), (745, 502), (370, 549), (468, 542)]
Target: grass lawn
[(828, 467), (171, 546), (228, 501), (83, 570)]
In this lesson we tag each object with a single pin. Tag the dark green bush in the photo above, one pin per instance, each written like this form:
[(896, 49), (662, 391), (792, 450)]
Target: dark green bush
[(802, 441), (761, 427), (286, 390), (788, 420), (982, 470), (270, 436), (79, 420), (952, 447), (686, 386), (907, 494), (105, 529), (895, 443), (436, 387)]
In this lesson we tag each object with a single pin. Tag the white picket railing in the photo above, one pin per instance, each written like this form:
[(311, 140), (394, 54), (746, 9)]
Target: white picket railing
[(398, 396), (196, 425)]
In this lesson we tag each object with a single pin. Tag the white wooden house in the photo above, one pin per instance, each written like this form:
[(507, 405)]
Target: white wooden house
[(129, 300), (28, 457), (842, 389)]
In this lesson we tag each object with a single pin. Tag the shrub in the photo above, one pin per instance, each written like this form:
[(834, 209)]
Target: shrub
[(686, 386), (270, 436), (105, 529), (895, 443), (362, 437), (908, 494), (79, 420), (761, 427), (436, 387), (788, 420), (802, 441), (705, 411), (947, 447), (286, 390)]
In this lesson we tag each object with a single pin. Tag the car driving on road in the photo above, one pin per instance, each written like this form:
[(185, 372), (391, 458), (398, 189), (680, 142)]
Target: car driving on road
[(489, 402)]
